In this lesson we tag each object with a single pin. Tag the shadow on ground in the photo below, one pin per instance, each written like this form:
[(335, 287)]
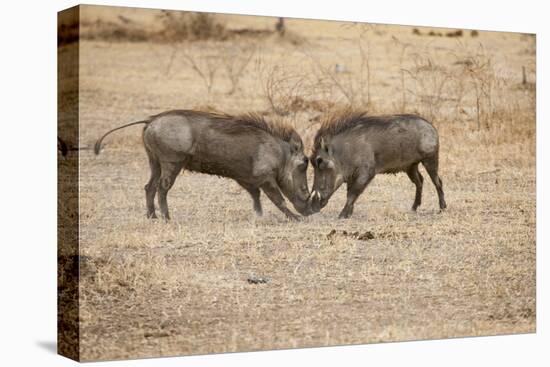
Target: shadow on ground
[(48, 345)]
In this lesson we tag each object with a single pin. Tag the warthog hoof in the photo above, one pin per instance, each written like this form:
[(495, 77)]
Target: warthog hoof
[(344, 215), (293, 217)]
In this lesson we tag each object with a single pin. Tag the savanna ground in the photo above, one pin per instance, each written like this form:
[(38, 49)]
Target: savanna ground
[(218, 279)]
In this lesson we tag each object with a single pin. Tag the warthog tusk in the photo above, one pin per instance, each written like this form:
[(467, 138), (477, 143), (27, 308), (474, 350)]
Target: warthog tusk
[(313, 194)]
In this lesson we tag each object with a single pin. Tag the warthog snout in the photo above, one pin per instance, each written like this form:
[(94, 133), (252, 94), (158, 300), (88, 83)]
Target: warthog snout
[(315, 202), (304, 207)]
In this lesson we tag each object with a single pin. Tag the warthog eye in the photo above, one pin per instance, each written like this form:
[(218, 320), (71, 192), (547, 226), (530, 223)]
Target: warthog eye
[(318, 161)]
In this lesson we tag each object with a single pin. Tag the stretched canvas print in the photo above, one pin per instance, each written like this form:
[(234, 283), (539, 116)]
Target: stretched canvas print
[(235, 183)]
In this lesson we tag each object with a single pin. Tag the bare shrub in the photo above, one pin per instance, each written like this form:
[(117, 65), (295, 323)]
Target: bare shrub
[(235, 60), (354, 87), (478, 69), (429, 86), (205, 66), (364, 70), (178, 26), (282, 88), (402, 53), (112, 31), (456, 33), (482, 76), (175, 26), (438, 90), (472, 89), (214, 60), (289, 92), (280, 26)]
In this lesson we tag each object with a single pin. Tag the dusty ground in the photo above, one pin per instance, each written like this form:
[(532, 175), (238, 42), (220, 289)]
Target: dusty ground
[(387, 274)]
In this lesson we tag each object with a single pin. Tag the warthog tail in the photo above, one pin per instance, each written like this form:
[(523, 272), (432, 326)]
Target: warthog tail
[(97, 146)]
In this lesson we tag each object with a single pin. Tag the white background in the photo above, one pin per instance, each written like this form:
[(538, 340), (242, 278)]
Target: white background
[(28, 182)]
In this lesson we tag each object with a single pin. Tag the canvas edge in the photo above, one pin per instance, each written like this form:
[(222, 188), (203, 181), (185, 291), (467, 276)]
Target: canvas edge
[(68, 329)]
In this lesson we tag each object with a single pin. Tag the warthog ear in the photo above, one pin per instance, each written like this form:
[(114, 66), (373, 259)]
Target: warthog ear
[(324, 145), (296, 144)]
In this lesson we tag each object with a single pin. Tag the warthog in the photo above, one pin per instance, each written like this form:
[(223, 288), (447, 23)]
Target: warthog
[(354, 147), (255, 153)]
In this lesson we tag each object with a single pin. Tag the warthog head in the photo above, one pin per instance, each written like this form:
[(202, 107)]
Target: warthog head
[(294, 177), (327, 175)]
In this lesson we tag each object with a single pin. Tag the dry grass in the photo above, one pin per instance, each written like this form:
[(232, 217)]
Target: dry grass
[(156, 289)]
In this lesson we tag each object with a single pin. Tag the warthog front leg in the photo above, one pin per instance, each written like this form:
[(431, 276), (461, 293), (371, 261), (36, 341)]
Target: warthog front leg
[(255, 194), (356, 188), (274, 194), (169, 172)]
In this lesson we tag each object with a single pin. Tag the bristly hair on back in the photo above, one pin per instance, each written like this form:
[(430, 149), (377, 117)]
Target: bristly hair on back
[(338, 121), (276, 128), (235, 124), (343, 120)]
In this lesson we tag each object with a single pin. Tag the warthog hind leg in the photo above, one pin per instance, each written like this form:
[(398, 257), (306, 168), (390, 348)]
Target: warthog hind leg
[(152, 186), (417, 180), (431, 165), (169, 172)]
